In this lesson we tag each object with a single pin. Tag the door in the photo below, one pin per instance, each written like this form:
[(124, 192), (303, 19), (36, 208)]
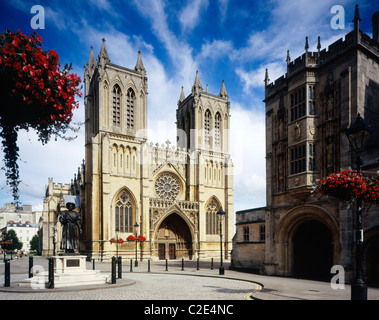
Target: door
[(171, 251), (161, 251), (313, 251)]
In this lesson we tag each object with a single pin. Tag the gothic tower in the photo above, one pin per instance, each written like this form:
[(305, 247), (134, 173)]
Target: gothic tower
[(203, 128), (115, 128)]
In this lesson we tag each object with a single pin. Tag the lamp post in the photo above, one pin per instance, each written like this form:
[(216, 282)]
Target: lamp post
[(357, 135), (221, 214), (54, 241), (136, 228)]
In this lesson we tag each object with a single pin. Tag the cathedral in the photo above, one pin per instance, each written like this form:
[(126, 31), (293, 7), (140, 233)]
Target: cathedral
[(129, 186)]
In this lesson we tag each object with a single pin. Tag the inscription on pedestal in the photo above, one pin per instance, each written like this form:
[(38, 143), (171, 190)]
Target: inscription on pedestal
[(73, 263)]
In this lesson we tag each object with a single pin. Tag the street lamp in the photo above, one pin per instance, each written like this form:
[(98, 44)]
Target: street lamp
[(221, 214), (54, 241), (357, 135), (136, 228)]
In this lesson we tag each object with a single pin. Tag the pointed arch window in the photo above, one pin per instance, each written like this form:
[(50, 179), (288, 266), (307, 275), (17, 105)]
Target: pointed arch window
[(207, 129), (212, 218), (217, 129), (124, 213), (116, 105), (130, 99)]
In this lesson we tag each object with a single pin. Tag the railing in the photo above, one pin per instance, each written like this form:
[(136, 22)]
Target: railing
[(155, 203)]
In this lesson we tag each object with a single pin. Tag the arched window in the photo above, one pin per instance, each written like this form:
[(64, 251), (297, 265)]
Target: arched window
[(124, 213), (130, 98), (212, 218), (217, 129), (207, 128), (116, 105)]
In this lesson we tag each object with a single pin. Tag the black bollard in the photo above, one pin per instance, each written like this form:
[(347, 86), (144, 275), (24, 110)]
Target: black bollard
[(148, 265), (182, 264), (212, 264), (51, 274), (30, 267), (7, 276), (119, 267), (131, 265), (197, 264), (166, 265), (93, 264), (113, 270)]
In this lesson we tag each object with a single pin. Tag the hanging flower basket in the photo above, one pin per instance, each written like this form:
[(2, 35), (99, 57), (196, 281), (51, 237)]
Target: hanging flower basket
[(134, 238), (6, 243), (348, 185), (34, 93), (116, 240)]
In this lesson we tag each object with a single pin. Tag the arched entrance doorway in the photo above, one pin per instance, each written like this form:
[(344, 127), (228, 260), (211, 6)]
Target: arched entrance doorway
[(372, 260), (173, 238), (312, 251)]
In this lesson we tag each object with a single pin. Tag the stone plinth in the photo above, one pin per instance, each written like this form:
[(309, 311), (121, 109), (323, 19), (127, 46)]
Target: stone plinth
[(69, 270)]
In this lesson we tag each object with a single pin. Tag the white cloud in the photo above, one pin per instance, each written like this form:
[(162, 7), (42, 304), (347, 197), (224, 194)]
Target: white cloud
[(190, 15), (255, 78), (248, 147), (179, 52), (223, 8), (216, 49)]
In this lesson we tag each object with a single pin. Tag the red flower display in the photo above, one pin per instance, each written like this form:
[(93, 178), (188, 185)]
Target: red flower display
[(133, 238), (347, 185), (6, 243), (116, 240), (34, 93)]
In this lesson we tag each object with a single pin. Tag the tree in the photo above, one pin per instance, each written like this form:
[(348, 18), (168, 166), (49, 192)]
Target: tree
[(34, 93), (16, 243), (34, 243)]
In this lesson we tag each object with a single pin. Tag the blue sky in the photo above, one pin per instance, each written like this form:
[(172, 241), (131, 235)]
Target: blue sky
[(234, 40)]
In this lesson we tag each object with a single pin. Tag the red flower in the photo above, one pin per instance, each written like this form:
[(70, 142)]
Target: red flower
[(116, 240), (131, 238), (347, 185)]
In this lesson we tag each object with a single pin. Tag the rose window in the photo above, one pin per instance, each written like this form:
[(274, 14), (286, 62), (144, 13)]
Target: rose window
[(167, 187)]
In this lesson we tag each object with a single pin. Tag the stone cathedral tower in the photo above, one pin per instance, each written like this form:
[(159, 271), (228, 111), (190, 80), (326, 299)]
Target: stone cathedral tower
[(170, 195)]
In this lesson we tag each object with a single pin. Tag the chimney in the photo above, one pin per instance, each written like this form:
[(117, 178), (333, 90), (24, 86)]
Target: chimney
[(375, 26)]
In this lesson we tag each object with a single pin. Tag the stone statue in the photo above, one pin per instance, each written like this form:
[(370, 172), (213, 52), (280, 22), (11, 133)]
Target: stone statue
[(70, 220)]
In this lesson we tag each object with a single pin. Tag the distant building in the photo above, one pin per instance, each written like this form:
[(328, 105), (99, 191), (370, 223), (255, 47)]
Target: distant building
[(307, 111), (24, 231), (21, 214)]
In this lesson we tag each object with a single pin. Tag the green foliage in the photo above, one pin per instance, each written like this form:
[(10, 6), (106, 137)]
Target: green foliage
[(16, 243), (34, 243)]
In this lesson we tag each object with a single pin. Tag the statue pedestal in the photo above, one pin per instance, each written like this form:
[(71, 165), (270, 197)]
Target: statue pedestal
[(69, 270)]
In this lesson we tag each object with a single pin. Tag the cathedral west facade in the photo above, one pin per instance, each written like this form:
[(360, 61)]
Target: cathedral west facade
[(131, 186)]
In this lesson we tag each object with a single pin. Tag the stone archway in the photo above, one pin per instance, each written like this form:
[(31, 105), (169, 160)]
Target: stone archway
[(173, 238), (286, 233)]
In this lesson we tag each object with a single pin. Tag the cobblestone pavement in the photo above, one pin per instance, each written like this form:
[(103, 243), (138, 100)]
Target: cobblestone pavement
[(192, 283), (147, 287)]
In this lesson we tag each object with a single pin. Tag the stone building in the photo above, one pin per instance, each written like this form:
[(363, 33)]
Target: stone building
[(24, 231), (22, 214), (56, 197), (128, 185), (307, 112)]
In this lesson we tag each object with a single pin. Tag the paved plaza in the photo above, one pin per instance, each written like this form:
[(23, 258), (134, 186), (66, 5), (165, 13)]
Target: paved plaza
[(192, 283)]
